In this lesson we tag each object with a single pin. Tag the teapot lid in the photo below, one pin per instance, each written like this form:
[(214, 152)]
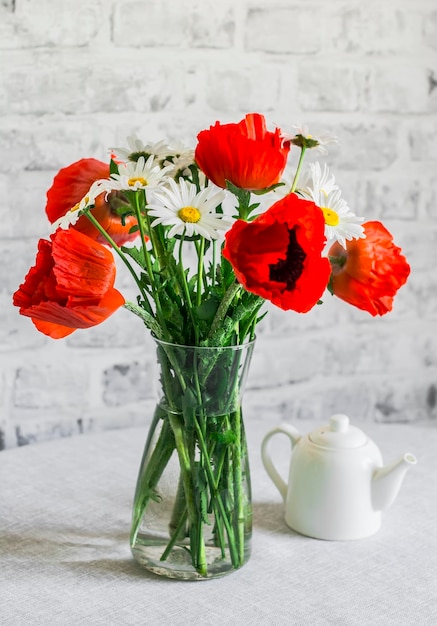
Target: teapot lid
[(338, 434)]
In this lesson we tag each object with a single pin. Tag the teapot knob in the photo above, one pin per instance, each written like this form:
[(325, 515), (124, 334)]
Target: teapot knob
[(339, 423)]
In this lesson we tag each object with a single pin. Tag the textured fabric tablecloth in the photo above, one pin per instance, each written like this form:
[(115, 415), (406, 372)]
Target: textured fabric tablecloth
[(65, 511)]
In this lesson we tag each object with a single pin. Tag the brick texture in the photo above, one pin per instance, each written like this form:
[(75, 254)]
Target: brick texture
[(79, 77)]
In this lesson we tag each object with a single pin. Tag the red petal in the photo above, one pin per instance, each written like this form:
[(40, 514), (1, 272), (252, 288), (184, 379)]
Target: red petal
[(70, 286), (55, 331), (110, 222), (83, 267), (371, 270), (254, 248), (36, 276), (76, 317), (254, 125), (71, 184), (246, 153)]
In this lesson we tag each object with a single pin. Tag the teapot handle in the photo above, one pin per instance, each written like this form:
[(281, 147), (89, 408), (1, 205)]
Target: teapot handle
[(271, 470)]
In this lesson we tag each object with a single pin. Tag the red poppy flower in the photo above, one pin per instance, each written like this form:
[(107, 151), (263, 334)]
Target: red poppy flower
[(246, 154), (70, 286), (278, 255), (370, 271), (71, 184)]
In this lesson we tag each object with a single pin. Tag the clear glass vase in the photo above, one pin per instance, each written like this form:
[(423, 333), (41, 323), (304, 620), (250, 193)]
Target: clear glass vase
[(192, 512)]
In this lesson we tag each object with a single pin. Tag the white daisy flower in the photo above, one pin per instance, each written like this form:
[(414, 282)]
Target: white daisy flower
[(317, 180), (303, 138), (135, 147), (180, 157), (340, 223), (177, 156), (132, 176), (188, 212), (70, 218)]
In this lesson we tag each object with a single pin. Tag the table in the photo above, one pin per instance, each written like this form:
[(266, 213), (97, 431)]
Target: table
[(65, 509)]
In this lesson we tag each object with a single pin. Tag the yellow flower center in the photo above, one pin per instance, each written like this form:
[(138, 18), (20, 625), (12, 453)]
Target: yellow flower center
[(189, 214), (76, 207), (138, 179), (331, 217)]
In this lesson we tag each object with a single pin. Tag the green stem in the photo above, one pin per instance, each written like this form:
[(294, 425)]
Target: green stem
[(164, 256), (175, 535), (151, 469), (142, 232), (218, 502), (248, 326), (148, 264), (218, 531), (195, 177), (179, 506), (187, 292), (214, 262), (238, 500), (299, 166), (201, 253), (198, 555), (167, 378), (223, 307), (147, 317)]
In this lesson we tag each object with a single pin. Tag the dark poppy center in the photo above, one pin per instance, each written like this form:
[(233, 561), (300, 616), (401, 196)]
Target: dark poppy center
[(288, 270)]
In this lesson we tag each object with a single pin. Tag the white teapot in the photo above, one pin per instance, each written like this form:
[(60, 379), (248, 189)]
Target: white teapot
[(337, 483)]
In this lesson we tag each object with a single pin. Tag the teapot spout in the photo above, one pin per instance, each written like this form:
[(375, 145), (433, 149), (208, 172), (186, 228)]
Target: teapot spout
[(387, 480)]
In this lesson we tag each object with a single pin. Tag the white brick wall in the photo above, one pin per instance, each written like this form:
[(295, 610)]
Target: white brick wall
[(78, 77)]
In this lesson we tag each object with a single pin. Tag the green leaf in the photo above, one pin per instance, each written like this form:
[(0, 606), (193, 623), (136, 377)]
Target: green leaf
[(227, 274), (147, 318), (137, 254), (113, 167), (207, 309), (201, 491), (242, 195), (261, 192), (226, 438), (304, 142), (252, 208), (189, 404), (154, 495)]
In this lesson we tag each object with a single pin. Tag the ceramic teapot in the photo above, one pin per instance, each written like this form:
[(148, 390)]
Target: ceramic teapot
[(337, 484)]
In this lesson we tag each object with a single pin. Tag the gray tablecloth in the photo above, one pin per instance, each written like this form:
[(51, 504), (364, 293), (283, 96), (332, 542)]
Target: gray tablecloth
[(65, 511)]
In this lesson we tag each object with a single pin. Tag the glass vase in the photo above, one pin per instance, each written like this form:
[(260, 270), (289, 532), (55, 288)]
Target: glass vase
[(192, 511)]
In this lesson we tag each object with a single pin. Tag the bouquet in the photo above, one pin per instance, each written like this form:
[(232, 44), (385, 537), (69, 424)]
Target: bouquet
[(204, 258)]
